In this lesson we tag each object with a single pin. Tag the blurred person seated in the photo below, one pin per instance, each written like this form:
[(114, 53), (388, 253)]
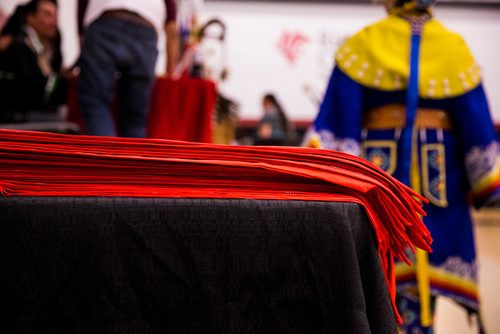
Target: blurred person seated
[(32, 85), (274, 127)]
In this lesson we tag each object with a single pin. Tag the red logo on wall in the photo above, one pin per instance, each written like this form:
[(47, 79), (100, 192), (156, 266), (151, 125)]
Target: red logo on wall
[(290, 44)]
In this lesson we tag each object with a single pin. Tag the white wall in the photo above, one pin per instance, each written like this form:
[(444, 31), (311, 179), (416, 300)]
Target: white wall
[(257, 64), (69, 32), (67, 22), (8, 5)]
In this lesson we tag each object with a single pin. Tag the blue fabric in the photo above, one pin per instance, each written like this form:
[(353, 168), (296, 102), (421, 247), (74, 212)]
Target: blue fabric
[(470, 115), (114, 46), (341, 113), (405, 146), (345, 101), (409, 309), (450, 161)]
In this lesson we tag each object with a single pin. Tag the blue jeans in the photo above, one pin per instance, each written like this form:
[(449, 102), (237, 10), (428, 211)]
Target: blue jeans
[(115, 48)]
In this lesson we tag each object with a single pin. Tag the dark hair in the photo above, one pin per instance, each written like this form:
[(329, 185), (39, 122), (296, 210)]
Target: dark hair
[(421, 4), (400, 3), (15, 23), (284, 120), (15, 28), (215, 21), (32, 6)]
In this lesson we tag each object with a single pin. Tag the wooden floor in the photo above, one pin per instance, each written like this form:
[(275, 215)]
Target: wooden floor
[(450, 319)]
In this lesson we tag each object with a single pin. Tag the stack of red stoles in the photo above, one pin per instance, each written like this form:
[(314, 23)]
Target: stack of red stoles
[(43, 164)]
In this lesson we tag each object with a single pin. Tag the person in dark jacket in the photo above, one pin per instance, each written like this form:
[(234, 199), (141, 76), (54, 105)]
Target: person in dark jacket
[(274, 127), (31, 86)]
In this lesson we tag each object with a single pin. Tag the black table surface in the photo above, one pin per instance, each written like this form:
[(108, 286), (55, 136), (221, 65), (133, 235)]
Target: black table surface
[(159, 265)]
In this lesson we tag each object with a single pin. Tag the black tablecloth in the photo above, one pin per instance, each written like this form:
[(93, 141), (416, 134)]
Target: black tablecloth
[(139, 265)]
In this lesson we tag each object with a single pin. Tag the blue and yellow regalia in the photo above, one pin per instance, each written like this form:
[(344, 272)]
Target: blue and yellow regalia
[(406, 94)]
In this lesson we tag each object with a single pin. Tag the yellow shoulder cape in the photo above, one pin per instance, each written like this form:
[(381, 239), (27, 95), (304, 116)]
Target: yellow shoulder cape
[(378, 57)]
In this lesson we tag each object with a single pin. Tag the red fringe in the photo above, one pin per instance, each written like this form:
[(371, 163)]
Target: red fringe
[(44, 164)]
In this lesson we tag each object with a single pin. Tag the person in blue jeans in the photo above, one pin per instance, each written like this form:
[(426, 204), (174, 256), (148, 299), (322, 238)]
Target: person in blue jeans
[(119, 52)]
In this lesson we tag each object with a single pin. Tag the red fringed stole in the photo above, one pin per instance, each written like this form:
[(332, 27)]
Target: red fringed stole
[(43, 164)]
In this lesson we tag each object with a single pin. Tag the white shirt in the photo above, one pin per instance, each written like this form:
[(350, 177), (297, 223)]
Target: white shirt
[(154, 11)]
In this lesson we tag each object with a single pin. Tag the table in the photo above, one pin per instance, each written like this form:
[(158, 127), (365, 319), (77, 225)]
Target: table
[(175, 265), (180, 109)]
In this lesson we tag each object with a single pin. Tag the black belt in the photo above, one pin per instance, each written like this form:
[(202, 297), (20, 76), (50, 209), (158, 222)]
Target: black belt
[(128, 16)]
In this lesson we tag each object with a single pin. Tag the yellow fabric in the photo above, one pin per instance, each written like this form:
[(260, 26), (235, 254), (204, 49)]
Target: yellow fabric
[(437, 275), (424, 290), (378, 57), (409, 8), (313, 142), (224, 131), (491, 179), (423, 280)]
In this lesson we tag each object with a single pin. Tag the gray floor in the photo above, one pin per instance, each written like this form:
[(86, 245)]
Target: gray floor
[(450, 319)]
